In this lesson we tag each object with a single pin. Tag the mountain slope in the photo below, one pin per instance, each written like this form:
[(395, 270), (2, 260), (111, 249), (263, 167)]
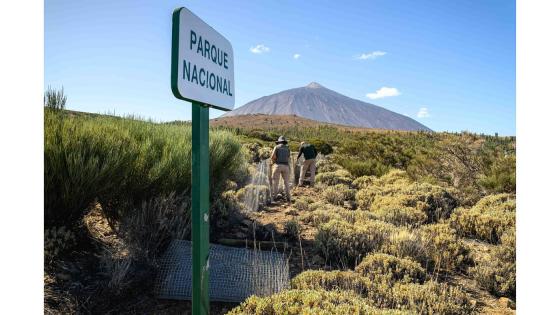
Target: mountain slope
[(321, 104)]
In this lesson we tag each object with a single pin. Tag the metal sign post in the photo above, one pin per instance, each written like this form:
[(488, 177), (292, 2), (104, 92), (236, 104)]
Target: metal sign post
[(201, 73), (200, 206)]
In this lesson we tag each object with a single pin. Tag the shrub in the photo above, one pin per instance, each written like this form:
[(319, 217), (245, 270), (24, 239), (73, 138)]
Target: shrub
[(406, 243), (377, 185), (328, 167), (363, 167), (54, 99), (500, 177), (321, 216), (488, 219), (57, 241), (338, 194), (332, 280), (335, 177), (150, 227), (321, 146), (327, 213), (444, 250), (264, 153), (320, 302), (344, 244), (123, 162), (387, 268), (292, 229), (364, 181), (431, 298), (263, 135), (301, 205), (225, 205), (395, 197), (393, 209), (428, 298), (496, 273)]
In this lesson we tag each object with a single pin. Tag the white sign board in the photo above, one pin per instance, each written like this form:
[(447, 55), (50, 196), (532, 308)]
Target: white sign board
[(201, 62)]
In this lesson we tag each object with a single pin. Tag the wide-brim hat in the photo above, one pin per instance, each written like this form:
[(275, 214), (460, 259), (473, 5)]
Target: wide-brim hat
[(281, 139)]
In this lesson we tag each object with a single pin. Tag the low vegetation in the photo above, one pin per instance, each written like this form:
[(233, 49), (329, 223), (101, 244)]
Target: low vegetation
[(496, 272), (394, 215), (387, 268), (294, 302), (488, 220), (334, 178), (338, 194), (409, 297), (121, 163)]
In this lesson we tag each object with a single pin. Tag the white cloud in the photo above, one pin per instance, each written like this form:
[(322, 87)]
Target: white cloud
[(296, 56), (423, 113), (383, 92), (259, 49), (371, 55)]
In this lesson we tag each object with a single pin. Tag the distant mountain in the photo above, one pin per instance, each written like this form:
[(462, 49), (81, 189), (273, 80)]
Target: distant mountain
[(321, 104)]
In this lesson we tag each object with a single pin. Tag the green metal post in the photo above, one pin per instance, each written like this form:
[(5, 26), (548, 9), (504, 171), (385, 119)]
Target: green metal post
[(200, 204)]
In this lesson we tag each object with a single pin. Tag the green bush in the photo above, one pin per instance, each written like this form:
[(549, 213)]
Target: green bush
[(500, 177), (360, 168), (54, 100), (292, 229), (380, 267), (334, 178), (331, 280), (319, 302), (488, 219), (344, 244), (322, 147), (122, 162), (496, 273), (263, 135), (338, 194)]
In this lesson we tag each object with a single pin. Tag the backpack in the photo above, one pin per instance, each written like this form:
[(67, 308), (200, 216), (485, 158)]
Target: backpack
[(282, 154)]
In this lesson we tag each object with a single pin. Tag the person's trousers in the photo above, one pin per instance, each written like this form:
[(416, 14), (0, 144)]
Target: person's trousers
[(284, 171), (307, 164)]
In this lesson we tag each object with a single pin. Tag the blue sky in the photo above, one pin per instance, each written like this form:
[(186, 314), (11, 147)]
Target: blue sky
[(448, 64)]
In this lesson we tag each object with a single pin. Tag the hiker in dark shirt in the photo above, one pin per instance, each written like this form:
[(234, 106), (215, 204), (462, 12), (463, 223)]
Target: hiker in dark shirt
[(309, 154)]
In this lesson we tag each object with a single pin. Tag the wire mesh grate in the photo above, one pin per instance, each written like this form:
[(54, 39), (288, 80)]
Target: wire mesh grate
[(235, 273)]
